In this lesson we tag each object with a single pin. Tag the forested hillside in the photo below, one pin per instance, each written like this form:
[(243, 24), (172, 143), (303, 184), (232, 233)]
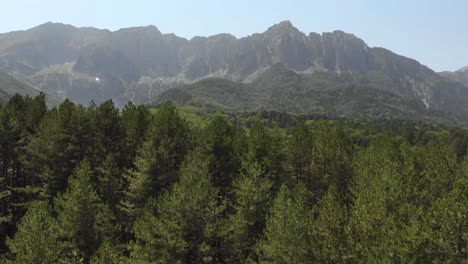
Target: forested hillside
[(180, 185)]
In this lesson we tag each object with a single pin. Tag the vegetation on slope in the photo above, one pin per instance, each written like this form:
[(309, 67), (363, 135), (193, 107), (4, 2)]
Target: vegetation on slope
[(169, 185)]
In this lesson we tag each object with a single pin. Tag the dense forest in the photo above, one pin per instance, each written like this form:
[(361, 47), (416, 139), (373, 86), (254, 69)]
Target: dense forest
[(100, 184)]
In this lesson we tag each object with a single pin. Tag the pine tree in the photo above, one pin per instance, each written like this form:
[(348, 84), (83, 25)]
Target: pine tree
[(110, 182), (158, 160), (437, 171), (135, 121), (218, 143), (331, 162), (384, 224), (286, 237), (448, 219), (83, 219), (328, 229), (252, 202), (110, 134), (18, 123), (109, 253), (139, 182), (38, 237), (64, 138), (266, 148), (12, 128), (300, 150), (181, 225)]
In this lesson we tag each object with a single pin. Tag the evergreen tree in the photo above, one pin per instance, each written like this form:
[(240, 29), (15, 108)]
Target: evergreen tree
[(267, 149), (219, 143), (181, 225), (252, 202), (110, 133), (124, 190), (83, 219), (139, 182), (135, 121), (328, 229), (331, 162), (287, 239), (437, 165), (18, 123), (158, 160), (449, 221), (37, 239), (64, 138), (300, 150), (384, 225), (110, 182), (109, 253)]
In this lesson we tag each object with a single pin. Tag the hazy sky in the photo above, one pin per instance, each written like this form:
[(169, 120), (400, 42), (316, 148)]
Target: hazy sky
[(433, 32)]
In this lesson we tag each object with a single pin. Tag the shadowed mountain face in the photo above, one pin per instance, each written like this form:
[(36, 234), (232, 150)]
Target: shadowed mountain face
[(9, 86), (138, 64)]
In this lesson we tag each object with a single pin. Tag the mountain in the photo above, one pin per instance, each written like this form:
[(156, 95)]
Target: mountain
[(323, 93), (138, 64), (460, 76), (9, 86)]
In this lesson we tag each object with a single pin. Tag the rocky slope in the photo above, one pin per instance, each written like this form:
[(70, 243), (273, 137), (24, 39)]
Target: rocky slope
[(460, 76), (9, 86), (138, 64)]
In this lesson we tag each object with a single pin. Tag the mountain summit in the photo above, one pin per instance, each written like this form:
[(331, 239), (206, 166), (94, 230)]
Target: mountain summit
[(460, 76), (139, 63)]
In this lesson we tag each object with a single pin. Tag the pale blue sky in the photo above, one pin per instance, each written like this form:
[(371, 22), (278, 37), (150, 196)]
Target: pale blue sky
[(433, 32)]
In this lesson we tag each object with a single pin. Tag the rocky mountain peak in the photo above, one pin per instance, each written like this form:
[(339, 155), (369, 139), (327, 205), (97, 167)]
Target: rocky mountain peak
[(146, 29), (137, 63), (53, 27), (463, 70), (284, 27)]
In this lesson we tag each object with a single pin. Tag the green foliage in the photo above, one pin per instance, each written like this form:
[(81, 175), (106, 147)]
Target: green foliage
[(158, 160), (351, 95), (110, 183), (449, 221), (180, 226), (219, 143), (266, 147), (109, 253), (328, 229), (82, 217), (109, 132), (99, 185), (287, 239), (252, 202), (135, 121), (65, 137), (331, 162), (140, 182), (385, 225), (38, 237), (300, 149)]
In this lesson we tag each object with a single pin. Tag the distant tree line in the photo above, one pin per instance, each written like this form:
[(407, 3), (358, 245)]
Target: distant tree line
[(101, 185)]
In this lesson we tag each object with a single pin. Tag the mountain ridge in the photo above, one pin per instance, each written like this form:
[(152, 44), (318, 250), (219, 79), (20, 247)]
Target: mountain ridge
[(459, 76), (296, 93), (139, 63), (9, 86)]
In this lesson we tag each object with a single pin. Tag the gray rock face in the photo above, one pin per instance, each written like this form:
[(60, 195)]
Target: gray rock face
[(139, 63), (460, 76), (9, 86)]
